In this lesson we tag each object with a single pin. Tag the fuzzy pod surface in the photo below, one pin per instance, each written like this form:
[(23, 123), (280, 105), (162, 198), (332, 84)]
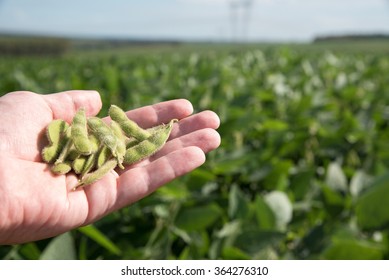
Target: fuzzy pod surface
[(129, 127), (149, 146), (79, 133)]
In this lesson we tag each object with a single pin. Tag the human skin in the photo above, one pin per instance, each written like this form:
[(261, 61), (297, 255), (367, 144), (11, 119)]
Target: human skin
[(36, 204)]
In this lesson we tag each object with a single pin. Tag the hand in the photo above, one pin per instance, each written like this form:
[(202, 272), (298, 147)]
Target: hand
[(36, 204)]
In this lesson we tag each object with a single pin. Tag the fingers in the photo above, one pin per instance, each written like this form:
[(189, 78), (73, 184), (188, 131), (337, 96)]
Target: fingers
[(197, 130), (192, 137), (139, 182), (206, 139), (205, 119), (162, 112), (65, 104)]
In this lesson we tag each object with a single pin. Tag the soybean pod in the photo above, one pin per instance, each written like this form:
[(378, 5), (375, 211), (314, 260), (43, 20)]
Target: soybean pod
[(103, 133), (67, 147), (129, 127), (54, 132), (89, 165), (97, 174), (103, 156), (78, 164), (91, 148), (61, 168), (79, 133), (149, 146), (121, 143)]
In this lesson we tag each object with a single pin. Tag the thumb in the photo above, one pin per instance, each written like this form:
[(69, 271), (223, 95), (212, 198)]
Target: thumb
[(65, 104)]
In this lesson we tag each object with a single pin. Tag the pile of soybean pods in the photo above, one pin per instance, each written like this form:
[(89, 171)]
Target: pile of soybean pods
[(92, 148)]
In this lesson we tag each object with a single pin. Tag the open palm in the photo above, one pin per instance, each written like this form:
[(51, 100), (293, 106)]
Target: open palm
[(36, 204)]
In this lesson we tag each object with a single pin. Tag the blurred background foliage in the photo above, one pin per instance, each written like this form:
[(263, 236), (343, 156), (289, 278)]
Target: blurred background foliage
[(302, 171)]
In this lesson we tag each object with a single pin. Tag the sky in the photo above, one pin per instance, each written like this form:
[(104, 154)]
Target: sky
[(215, 20)]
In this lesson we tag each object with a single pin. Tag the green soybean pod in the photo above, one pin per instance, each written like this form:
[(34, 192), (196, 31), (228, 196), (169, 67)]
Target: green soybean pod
[(55, 129), (61, 168), (129, 127), (67, 147), (54, 133), (78, 164), (130, 142), (79, 133), (103, 133), (149, 146), (74, 153), (103, 156), (121, 144), (94, 143), (89, 164), (97, 174)]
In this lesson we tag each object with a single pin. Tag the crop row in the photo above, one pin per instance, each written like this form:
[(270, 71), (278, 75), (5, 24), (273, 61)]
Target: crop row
[(305, 142)]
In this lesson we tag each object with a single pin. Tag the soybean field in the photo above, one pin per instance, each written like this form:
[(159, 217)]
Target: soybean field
[(302, 171)]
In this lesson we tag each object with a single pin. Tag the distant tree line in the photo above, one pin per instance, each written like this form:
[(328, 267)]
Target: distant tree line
[(101, 44), (14, 45), (354, 37)]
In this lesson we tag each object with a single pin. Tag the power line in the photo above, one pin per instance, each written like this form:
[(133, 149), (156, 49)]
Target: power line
[(240, 19)]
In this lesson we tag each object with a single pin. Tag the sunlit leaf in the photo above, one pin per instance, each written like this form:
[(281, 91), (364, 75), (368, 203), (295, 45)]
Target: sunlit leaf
[(359, 182), (353, 250), (335, 178), (281, 206), (60, 248), (230, 229), (371, 207)]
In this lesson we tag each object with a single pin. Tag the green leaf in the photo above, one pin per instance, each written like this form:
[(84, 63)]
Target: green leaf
[(185, 254), (174, 191), (229, 229), (238, 207), (277, 178), (30, 251), (353, 250), (198, 178), (264, 214), (234, 162), (252, 241), (158, 245), (233, 253), (372, 207), (359, 182), (281, 206), (333, 201), (335, 178), (198, 217), (273, 124), (300, 183), (60, 248), (182, 234), (93, 233)]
